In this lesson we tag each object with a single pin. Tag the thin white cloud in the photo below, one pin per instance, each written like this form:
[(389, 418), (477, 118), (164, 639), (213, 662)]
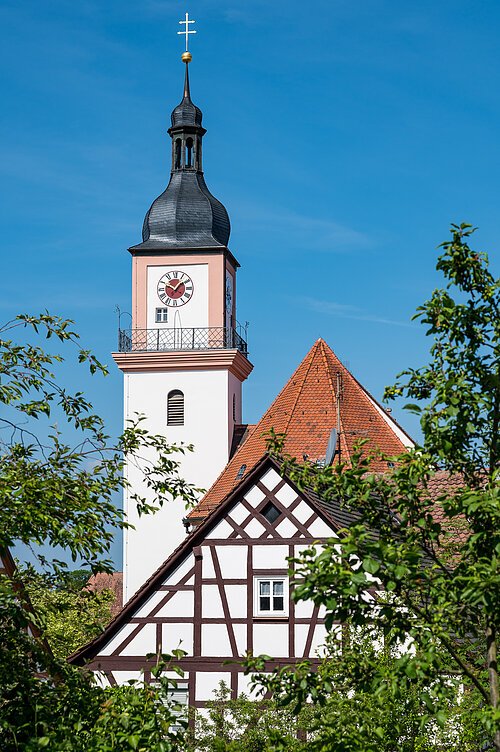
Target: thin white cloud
[(302, 230), (341, 310)]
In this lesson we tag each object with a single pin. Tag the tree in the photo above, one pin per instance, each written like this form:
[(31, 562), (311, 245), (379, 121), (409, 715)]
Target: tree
[(72, 614), (434, 561), (57, 492), (245, 725)]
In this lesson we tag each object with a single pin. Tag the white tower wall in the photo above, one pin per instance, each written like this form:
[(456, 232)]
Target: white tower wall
[(208, 425)]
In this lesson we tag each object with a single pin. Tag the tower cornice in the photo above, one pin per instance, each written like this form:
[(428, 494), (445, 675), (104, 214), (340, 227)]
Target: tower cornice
[(204, 360), (152, 249)]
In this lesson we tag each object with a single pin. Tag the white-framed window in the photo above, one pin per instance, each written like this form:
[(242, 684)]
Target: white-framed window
[(271, 596), (161, 315)]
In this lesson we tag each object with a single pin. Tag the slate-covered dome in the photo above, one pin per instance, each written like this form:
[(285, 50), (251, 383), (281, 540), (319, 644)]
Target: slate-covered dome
[(185, 215), (186, 113)]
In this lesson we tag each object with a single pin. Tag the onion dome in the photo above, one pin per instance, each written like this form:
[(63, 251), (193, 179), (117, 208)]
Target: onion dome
[(185, 215), (186, 113)]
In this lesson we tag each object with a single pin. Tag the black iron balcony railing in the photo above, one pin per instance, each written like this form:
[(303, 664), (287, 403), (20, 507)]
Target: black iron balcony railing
[(159, 340)]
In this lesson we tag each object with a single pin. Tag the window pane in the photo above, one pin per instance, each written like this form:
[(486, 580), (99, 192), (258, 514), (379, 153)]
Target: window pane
[(265, 587), (278, 603), (278, 587), (271, 512), (265, 603), (161, 315)]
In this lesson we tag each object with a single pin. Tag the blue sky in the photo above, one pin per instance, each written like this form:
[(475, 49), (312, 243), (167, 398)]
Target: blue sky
[(343, 138)]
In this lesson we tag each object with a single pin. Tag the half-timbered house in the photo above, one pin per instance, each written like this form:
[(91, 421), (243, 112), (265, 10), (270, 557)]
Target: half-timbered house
[(225, 590)]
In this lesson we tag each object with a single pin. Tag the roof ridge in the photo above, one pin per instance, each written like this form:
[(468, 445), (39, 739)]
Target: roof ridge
[(341, 437), (312, 353)]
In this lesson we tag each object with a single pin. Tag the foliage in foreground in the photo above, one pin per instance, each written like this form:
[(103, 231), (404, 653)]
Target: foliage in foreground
[(72, 614), (58, 492), (246, 725), (47, 704), (436, 562)]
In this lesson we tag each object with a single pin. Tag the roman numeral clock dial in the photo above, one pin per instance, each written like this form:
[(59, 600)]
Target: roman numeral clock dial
[(175, 289)]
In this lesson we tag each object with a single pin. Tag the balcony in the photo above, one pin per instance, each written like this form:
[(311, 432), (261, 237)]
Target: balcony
[(166, 340)]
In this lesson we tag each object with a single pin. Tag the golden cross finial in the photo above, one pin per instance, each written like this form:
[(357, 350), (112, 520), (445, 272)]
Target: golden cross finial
[(187, 31)]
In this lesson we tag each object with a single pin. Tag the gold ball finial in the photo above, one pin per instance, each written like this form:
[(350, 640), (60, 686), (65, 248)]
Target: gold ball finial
[(186, 57)]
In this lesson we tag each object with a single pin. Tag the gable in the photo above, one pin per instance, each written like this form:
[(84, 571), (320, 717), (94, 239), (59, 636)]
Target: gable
[(201, 596)]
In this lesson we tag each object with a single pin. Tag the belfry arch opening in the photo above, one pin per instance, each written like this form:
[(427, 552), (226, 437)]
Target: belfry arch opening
[(189, 153), (177, 156)]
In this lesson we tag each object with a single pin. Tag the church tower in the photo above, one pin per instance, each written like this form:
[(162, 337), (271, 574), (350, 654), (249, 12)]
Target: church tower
[(183, 360)]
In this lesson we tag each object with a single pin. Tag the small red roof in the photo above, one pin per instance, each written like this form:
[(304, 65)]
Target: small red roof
[(109, 581), (306, 411)]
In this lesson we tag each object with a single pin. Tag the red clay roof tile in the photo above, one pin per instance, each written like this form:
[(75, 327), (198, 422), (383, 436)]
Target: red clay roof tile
[(306, 411)]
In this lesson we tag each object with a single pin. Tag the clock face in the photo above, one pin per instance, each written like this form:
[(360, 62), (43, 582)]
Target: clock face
[(175, 288)]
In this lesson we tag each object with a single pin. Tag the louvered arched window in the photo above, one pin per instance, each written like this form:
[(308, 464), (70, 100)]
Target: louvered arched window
[(175, 408)]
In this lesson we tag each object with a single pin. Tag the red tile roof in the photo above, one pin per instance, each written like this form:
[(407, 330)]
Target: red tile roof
[(106, 581), (456, 530), (306, 411)]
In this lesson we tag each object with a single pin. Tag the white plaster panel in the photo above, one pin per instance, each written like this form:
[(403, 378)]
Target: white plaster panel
[(254, 528), (270, 557), (300, 549), (244, 687), (175, 676), (240, 634), (177, 636), (303, 609), (144, 642), (215, 640), (180, 571), (207, 565), (286, 495), (122, 635), (320, 529), (122, 677), (270, 479), (301, 631), (181, 604), (239, 513), (211, 605), (208, 681), (237, 600), (318, 641), (233, 561), (286, 529), (254, 496), (203, 713), (271, 639), (193, 313), (151, 603), (302, 511), (221, 530), (101, 679)]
